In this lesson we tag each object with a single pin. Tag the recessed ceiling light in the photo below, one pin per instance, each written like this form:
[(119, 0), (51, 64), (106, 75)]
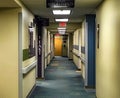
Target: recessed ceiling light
[(61, 12), (57, 6), (61, 28), (61, 20), (61, 32)]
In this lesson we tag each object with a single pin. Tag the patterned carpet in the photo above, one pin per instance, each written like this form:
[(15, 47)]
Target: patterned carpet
[(61, 81)]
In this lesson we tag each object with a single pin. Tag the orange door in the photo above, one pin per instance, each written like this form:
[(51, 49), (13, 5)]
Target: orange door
[(58, 46)]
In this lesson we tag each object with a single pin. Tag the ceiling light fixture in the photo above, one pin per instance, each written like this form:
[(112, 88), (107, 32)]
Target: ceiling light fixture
[(61, 28), (61, 32), (61, 12), (57, 6), (61, 20)]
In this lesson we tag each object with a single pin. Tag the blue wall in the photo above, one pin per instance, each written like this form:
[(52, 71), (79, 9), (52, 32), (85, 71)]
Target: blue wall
[(90, 19)]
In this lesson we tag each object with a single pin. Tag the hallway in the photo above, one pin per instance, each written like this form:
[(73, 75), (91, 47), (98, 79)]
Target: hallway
[(62, 80), (88, 33)]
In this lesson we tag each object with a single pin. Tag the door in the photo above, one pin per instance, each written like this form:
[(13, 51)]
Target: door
[(58, 45), (65, 46)]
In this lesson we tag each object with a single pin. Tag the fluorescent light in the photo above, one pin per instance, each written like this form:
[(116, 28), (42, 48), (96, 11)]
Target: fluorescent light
[(61, 12), (61, 32), (61, 28), (61, 20), (57, 6)]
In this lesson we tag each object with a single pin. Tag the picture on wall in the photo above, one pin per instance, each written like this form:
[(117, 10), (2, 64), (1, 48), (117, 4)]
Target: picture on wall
[(30, 51), (31, 41)]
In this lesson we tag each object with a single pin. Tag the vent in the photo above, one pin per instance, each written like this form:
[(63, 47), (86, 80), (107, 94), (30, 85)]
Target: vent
[(59, 3)]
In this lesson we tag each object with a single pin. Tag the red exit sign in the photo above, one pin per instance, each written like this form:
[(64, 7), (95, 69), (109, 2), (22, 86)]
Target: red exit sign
[(62, 24)]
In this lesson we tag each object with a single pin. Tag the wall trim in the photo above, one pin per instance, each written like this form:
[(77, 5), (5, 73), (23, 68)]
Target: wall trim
[(90, 87), (48, 54), (20, 57), (26, 69), (33, 88), (82, 59)]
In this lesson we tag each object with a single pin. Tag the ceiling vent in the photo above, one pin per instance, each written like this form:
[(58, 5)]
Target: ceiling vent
[(59, 3)]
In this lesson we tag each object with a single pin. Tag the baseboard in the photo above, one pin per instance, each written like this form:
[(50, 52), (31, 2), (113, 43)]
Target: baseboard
[(90, 87), (40, 78), (78, 70), (70, 59), (31, 91)]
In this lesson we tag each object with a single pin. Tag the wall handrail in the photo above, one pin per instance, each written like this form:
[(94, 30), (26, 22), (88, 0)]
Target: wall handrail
[(28, 68), (48, 54), (82, 59), (75, 54)]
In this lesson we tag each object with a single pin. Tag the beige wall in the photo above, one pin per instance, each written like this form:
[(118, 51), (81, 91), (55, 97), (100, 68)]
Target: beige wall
[(52, 45), (108, 55), (70, 45), (48, 44), (27, 17), (46, 48), (9, 53), (76, 41), (83, 56), (29, 78), (28, 82)]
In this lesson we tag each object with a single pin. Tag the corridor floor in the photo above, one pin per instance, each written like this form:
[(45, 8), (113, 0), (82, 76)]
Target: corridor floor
[(61, 81)]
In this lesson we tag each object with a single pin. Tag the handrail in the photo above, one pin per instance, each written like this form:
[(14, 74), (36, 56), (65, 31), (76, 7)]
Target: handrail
[(26, 69), (48, 54), (76, 54), (81, 58)]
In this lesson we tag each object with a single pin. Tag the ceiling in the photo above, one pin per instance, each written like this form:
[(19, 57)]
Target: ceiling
[(38, 7), (8, 3)]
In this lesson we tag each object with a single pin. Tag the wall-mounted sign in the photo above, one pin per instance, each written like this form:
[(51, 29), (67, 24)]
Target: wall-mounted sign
[(62, 24)]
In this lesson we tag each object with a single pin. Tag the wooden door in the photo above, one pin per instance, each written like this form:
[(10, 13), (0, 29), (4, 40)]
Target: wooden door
[(58, 45)]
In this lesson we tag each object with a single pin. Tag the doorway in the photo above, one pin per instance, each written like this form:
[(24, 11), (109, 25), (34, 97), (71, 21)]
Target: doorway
[(58, 45)]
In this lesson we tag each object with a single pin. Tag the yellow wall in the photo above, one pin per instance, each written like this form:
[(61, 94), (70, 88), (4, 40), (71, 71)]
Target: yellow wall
[(9, 53), (108, 55), (47, 43), (28, 82), (45, 46), (52, 45), (29, 78), (70, 45), (76, 41), (49, 50), (27, 18), (82, 37)]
